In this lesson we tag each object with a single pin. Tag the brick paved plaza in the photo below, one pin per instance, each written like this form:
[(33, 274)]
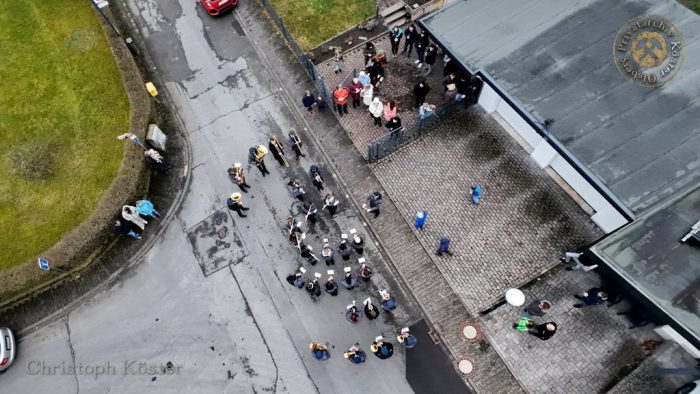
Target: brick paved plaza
[(587, 353), (524, 221), (401, 76)]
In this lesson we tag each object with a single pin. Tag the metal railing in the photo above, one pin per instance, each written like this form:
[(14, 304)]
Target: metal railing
[(390, 142)]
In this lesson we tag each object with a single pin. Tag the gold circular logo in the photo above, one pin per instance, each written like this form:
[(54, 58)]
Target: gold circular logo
[(648, 50)]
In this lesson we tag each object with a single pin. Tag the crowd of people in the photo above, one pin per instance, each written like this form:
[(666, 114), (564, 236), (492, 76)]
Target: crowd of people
[(348, 245), (364, 89)]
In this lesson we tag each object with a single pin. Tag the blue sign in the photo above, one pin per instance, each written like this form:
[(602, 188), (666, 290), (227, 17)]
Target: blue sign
[(43, 264)]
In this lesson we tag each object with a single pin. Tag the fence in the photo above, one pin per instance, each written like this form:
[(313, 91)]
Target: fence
[(309, 65), (389, 142)]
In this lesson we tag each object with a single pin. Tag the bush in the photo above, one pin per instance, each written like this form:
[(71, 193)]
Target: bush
[(34, 160)]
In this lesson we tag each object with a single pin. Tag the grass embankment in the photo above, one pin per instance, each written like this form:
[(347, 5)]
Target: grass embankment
[(315, 21), (62, 105)]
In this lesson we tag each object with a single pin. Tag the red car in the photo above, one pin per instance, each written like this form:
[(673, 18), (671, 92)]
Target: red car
[(216, 7)]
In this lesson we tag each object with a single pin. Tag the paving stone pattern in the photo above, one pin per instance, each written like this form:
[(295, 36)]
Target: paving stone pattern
[(588, 353), (522, 224), (401, 76)]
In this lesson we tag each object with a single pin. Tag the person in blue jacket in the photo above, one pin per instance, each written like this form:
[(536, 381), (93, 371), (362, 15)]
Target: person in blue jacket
[(319, 351)]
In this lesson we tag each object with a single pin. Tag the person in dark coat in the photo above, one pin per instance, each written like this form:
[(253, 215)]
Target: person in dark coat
[(349, 281), (394, 124), (353, 315), (256, 156), (451, 67), (444, 247), (592, 297), (422, 42), (365, 272), (430, 57), (543, 331), (234, 204), (421, 91), (125, 227), (313, 288), (295, 143), (310, 211), (369, 52), (320, 103), (355, 355), (330, 203), (296, 279), (344, 249), (395, 35), (375, 202), (358, 243), (319, 351), (388, 302), (382, 350), (308, 100), (331, 286), (371, 310), (277, 150), (410, 35), (355, 87), (316, 177), (448, 80), (538, 308)]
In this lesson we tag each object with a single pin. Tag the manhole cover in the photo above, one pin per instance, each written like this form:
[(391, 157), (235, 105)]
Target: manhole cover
[(471, 331), (466, 366)]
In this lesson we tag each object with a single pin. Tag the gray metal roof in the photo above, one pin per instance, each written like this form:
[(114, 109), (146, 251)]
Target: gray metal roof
[(648, 254), (555, 58)]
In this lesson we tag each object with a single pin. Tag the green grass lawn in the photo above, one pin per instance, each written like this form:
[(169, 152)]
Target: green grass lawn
[(315, 21), (692, 4), (62, 104)]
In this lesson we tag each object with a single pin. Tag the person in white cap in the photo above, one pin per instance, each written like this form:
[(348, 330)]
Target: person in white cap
[(234, 204), (236, 172)]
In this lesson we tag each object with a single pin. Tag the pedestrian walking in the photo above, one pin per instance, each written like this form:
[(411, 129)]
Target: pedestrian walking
[(256, 156), (422, 43), (364, 78), (310, 211), (297, 279), (420, 91), (338, 61), (238, 175), (146, 209), (355, 88), (358, 243), (277, 151), (349, 280), (410, 35), (389, 110), (375, 202), (331, 286), (295, 143), (395, 36), (575, 258), (475, 194), (365, 272), (355, 355), (316, 177), (341, 96), (327, 254), (371, 310), (421, 217), (313, 289), (542, 331), (234, 204), (352, 314), (430, 57), (538, 308), (381, 349), (308, 101), (125, 227), (319, 351), (394, 124), (156, 160), (131, 214), (330, 203), (344, 249), (367, 94), (444, 247), (388, 302), (295, 189), (406, 338), (376, 110), (592, 297)]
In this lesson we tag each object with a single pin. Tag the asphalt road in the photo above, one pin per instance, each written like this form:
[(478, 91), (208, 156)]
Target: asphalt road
[(183, 320)]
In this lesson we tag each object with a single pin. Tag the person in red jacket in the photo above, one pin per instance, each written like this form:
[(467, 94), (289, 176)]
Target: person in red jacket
[(341, 95), (355, 88)]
